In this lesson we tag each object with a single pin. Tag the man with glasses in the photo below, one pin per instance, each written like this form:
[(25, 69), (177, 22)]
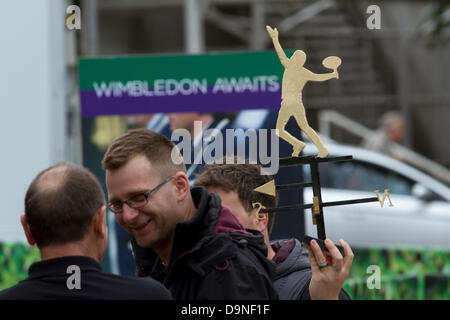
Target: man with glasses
[(65, 215), (183, 237)]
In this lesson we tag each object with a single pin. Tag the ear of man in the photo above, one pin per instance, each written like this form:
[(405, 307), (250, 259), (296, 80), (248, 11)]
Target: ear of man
[(182, 186), (26, 229), (99, 222), (261, 219)]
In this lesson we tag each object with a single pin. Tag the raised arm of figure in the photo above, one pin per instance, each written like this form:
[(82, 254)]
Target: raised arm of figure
[(273, 33)]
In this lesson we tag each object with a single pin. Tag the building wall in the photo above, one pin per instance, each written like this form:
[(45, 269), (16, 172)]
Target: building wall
[(31, 101)]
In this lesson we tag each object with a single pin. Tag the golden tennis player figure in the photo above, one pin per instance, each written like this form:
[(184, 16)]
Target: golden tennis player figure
[(294, 79)]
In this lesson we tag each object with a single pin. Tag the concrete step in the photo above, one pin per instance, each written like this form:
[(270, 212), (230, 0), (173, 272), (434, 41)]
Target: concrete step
[(332, 33), (341, 89)]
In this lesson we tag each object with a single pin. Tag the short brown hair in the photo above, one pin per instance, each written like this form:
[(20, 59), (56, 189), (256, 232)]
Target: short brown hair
[(60, 203), (240, 178), (156, 147)]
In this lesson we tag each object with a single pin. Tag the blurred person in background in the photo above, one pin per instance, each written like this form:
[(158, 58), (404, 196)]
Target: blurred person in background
[(390, 131), (186, 120), (158, 122)]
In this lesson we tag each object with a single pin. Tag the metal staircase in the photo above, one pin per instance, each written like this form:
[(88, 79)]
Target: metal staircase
[(362, 92)]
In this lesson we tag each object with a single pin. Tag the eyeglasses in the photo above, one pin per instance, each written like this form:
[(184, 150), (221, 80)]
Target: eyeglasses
[(137, 201)]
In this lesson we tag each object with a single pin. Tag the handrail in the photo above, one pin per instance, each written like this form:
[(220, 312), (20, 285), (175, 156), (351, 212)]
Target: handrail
[(328, 117), (304, 15)]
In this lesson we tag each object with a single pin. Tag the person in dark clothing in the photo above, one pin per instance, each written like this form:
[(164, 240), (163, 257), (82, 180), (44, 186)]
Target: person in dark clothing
[(56, 279), (65, 217), (184, 237), (294, 278)]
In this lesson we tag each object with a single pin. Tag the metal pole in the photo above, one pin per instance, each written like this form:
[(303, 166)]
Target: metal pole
[(403, 89), (258, 34), (317, 193), (193, 27), (92, 23)]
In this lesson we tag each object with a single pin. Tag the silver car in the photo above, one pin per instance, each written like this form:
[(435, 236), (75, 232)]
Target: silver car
[(420, 216)]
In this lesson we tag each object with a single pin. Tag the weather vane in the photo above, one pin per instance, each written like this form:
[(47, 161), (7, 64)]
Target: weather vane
[(294, 79)]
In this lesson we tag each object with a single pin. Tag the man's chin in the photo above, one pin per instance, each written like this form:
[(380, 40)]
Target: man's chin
[(142, 242)]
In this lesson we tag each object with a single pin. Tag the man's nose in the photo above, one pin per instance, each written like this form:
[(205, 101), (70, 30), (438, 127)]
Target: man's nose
[(129, 214)]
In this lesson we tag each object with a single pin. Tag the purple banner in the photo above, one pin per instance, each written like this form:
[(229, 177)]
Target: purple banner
[(218, 102)]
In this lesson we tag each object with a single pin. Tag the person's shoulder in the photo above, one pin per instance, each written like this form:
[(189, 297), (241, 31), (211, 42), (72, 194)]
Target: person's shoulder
[(8, 293), (15, 292), (375, 141), (136, 287)]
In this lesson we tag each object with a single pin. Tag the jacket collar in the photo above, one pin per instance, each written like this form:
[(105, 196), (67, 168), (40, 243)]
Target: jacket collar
[(283, 249), (60, 265), (200, 226), (295, 261)]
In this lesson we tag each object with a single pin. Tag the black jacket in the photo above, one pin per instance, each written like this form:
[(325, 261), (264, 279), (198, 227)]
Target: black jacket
[(48, 279), (212, 257)]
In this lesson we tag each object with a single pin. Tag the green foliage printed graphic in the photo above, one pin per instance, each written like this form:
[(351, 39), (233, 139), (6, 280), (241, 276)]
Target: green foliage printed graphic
[(15, 259), (406, 274)]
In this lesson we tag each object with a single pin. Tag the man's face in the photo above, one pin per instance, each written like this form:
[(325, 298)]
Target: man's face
[(231, 201), (153, 224), (395, 131), (183, 120)]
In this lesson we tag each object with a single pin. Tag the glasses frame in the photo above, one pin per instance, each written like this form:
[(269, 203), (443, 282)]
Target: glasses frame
[(146, 195)]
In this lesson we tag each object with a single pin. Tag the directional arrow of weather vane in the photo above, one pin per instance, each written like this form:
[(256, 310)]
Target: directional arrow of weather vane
[(270, 188)]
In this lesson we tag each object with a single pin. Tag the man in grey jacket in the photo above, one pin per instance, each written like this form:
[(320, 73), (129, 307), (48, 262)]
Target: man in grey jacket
[(297, 276)]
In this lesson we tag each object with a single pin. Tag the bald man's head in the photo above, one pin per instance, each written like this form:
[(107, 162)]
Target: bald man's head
[(60, 204)]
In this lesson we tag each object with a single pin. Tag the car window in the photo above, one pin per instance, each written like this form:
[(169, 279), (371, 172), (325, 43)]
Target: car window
[(357, 175)]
